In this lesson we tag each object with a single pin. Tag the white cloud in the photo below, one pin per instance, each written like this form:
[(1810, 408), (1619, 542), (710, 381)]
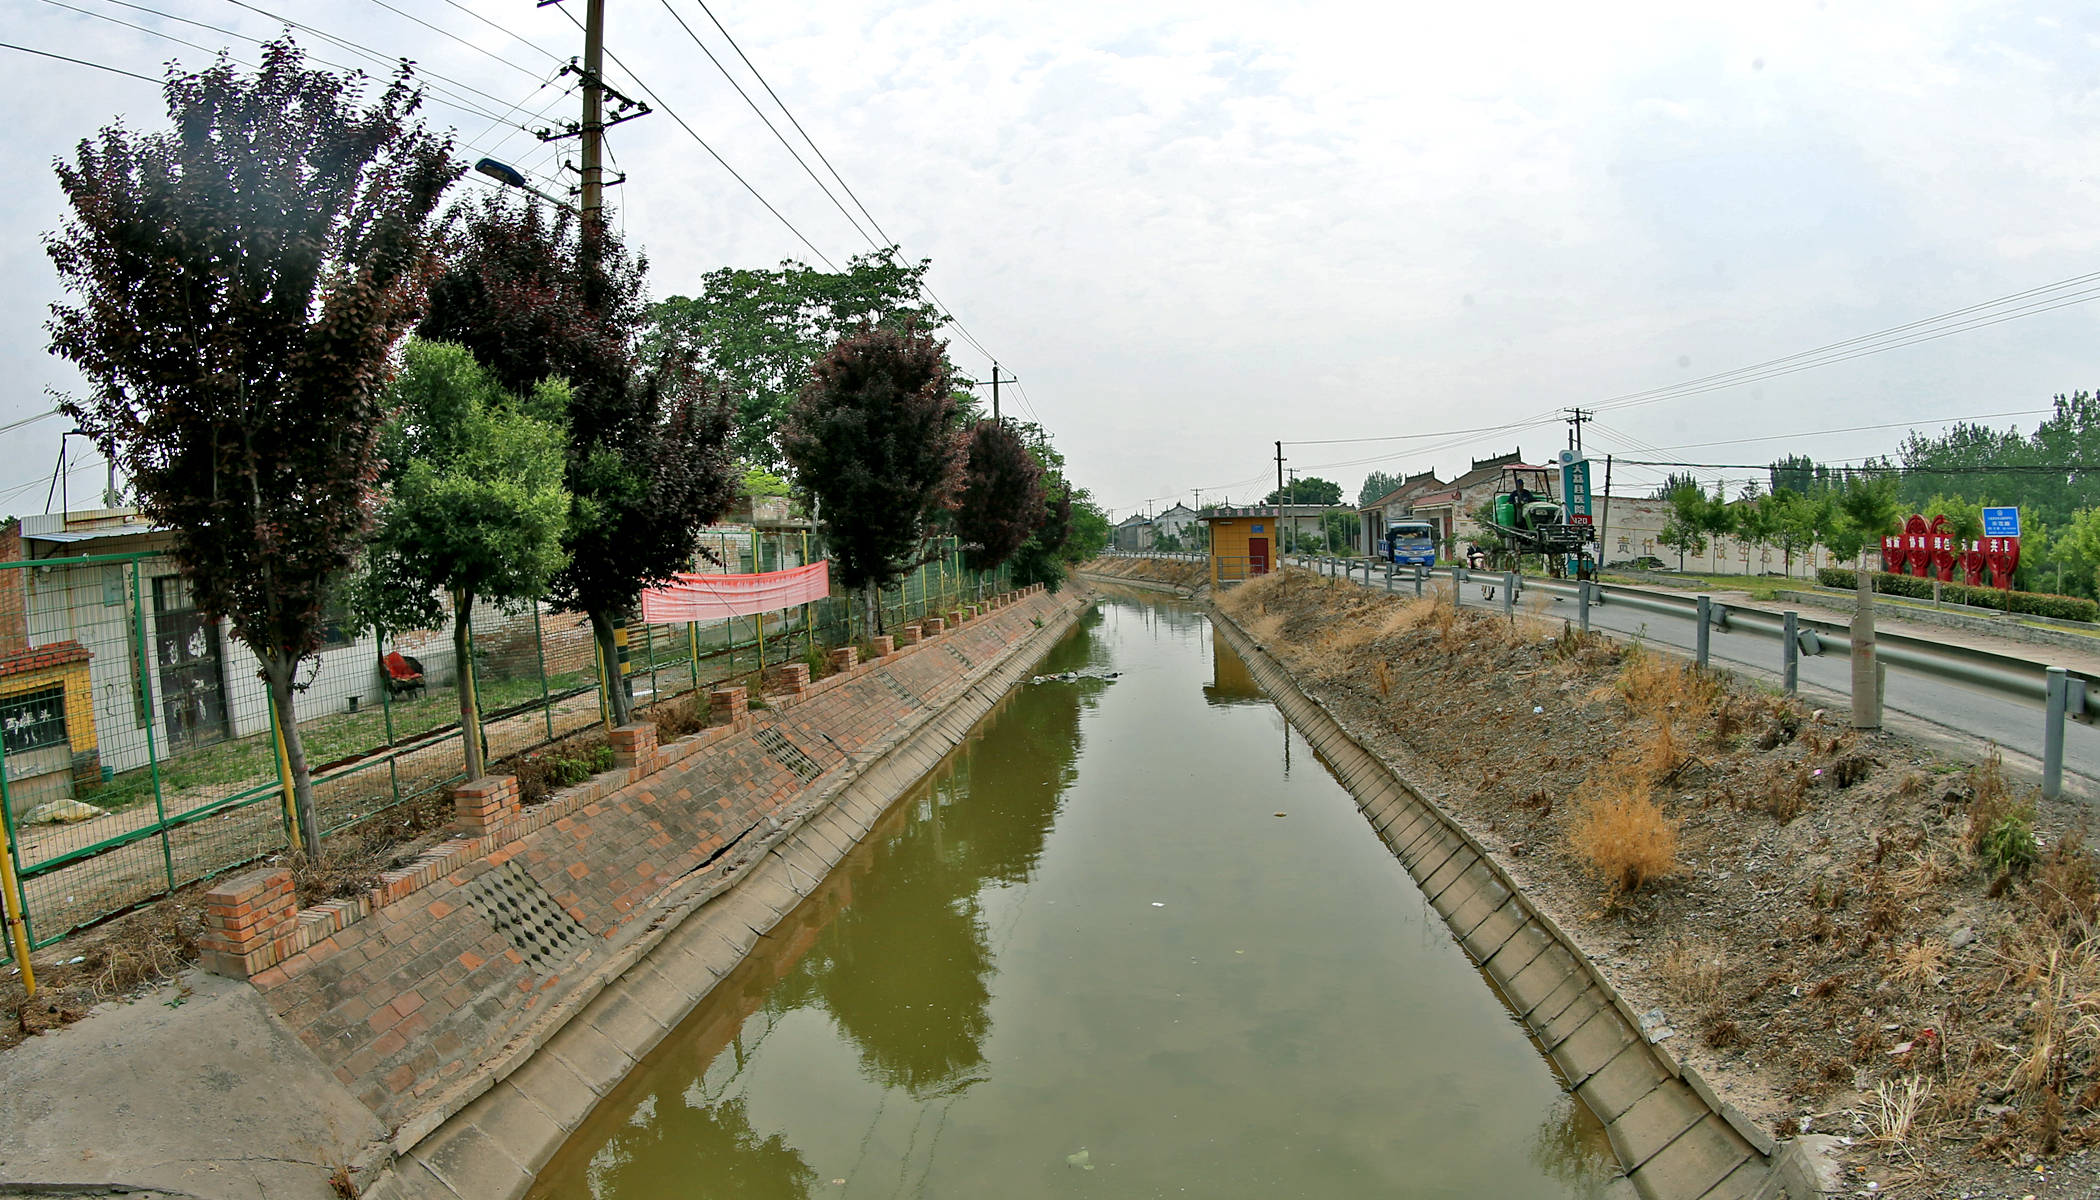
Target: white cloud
[(1194, 228)]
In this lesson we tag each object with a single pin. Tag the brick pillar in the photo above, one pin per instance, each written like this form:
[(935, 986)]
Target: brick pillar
[(480, 806), (792, 679), (243, 916), (728, 706), (908, 636), (955, 617), (845, 658), (932, 626), (883, 646), (631, 744)]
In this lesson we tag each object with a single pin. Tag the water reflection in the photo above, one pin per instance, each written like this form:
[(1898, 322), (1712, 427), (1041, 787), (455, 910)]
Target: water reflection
[(1230, 681)]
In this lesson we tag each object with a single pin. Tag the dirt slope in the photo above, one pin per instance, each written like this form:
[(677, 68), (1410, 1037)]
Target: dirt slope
[(1807, 906)]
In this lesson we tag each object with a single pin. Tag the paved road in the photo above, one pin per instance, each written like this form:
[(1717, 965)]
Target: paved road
[(1950, 709)]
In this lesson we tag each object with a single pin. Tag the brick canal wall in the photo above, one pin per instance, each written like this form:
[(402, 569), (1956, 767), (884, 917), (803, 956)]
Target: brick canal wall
[(446, 978)]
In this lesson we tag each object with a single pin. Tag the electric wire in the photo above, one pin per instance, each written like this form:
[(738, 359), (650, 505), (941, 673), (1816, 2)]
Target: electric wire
[(668, 111), (2072, 281), (81, 62), (511, 34), (887, 241), (770, 127), (442, 32), (437, 93)]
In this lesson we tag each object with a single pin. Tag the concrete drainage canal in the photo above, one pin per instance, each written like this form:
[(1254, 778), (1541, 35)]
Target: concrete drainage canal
[(1131, 939)]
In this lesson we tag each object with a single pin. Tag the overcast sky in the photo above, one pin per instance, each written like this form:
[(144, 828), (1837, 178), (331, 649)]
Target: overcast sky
[(1195, 228)]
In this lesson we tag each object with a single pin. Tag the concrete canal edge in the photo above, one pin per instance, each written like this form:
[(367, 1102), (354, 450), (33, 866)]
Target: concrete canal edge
[(494, 1146), (440, 1035), (1674, 1137)]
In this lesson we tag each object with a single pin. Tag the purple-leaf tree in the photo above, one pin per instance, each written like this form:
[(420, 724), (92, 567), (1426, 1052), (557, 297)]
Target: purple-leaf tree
[(241, 281), (1002, 495), (873, 437), (535, 295)]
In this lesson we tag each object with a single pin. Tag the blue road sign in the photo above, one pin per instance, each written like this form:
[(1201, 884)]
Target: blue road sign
[(2001, 522)]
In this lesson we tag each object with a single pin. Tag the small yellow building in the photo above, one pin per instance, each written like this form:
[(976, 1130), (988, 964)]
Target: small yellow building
[(1242, 543)]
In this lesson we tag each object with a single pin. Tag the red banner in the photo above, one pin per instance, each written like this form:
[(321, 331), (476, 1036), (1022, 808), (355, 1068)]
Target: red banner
[(713, 597)]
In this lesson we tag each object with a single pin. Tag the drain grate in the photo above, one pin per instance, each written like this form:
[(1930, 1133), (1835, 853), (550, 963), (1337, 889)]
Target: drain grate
[(900, 690), (789, 755), (521, 910), (960, 657)]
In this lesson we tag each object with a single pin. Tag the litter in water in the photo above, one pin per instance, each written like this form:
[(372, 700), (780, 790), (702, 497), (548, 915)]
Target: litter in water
[(1080, 1160)]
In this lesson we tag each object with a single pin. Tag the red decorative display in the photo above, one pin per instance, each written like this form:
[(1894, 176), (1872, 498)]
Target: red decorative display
[(1926, 550)]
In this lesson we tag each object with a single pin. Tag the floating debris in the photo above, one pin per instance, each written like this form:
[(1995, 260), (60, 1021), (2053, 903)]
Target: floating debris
[(1076, 676), (1081, 1159)]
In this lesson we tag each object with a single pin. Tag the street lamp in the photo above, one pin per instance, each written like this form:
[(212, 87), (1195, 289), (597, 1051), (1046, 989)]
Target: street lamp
[(510, 176)]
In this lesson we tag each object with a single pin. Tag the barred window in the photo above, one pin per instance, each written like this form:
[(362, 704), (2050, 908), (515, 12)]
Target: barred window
[(33, 721)]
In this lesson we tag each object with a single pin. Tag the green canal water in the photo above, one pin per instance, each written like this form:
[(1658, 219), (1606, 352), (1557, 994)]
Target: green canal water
[(1087, 958)]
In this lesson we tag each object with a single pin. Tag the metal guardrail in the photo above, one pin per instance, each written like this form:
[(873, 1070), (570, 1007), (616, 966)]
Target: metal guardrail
[(2061, 693)]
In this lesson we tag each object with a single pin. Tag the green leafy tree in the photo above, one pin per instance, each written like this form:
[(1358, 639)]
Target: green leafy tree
[(1376, 485), (762, 331), (1753, 521), (474, 506), (1964, 517), (1675, 480), (532, 296), (1716, 517), (1794, 519), (874, 438), (1684, 530), (1339, 530), (1309, 490), (241, 280), (2081, 544)]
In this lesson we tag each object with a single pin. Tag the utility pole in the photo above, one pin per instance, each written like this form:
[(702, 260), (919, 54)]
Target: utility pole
[(1276, 539), (1577, 418), (593, 129), (996, 381)]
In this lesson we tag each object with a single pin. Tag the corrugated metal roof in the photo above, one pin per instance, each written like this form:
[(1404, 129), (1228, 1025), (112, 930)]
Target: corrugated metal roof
[(89, 535)]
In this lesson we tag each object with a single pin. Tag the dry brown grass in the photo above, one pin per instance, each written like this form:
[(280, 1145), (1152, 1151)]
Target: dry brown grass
[(1624, 835), (1693, 971), (1918, 967)]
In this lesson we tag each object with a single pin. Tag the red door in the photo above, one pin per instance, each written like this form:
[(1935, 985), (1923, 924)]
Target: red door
[(1257, 556)]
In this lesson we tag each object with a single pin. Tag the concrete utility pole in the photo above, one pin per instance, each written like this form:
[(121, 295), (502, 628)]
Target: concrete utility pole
[(593, 129), (996, 381), (1576, 419), (1276, 537)]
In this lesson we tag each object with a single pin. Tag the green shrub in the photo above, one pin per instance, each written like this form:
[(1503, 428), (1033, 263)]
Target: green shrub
[(2008, 846), (2040, 604)]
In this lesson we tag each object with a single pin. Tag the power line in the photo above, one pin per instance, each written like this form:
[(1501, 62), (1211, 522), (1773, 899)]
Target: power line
[(785, 111), (768, 121), (1867, 466), (11, 426), (719, 160), (1439, 433), (534, 46), (81, 62), (439, 94), (442, 32), (1775, 437), (1861, 347)]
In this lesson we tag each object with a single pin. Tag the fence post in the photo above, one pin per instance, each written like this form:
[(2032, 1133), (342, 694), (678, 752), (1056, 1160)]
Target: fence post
[(1458, 587), (2055, 693), (539, 645), (14, 902), (649, 648), (1582, 602), (1421, 572), (284, 781), (1509, 594), (1388, 578), (145, 671), (1790, 654), (1706, 607)]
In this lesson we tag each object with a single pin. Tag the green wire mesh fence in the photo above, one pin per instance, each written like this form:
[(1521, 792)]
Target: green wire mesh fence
[(138, 749)]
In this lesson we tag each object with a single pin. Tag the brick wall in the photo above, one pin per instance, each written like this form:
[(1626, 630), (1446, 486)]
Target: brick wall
[(409, 989), (14, 595)]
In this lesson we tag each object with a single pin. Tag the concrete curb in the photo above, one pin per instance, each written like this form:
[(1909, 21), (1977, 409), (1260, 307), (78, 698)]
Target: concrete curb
[(1143, 585), (494, 1146), (1674, 1138)]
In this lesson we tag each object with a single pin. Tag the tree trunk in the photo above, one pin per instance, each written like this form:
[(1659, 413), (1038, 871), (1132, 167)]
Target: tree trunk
[(871, 604), (469, 703), (277, 675), (1866, 691), (619, 709)]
